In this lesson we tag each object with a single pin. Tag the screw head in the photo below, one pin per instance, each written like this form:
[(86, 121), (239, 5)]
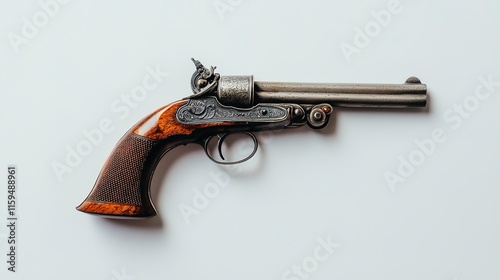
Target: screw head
[(326, 109), (317, 116), (202, 83)]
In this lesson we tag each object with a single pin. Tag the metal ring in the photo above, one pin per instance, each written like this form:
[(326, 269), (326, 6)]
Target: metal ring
[(222, 137)]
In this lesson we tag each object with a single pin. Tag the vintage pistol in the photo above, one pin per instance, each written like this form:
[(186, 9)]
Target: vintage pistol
[(220, 106)]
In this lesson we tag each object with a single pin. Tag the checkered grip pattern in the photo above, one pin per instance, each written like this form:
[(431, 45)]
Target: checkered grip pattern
[(126, 175)]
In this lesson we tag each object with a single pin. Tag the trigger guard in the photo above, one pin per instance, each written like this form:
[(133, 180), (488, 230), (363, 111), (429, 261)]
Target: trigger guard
[(219, 147)]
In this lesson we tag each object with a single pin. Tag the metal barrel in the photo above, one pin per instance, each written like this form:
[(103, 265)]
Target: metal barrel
[(410, 94), (242, 91)]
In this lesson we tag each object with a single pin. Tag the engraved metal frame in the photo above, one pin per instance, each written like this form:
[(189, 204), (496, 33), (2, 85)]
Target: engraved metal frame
[(208, 110)]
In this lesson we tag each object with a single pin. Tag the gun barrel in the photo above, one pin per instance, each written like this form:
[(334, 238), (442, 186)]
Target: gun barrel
[(410, 94), (242, 91)]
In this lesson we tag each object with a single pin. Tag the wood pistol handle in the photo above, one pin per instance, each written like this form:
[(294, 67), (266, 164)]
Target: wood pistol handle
[(122, 189)]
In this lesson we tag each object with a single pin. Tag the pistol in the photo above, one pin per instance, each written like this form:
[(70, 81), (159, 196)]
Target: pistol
[(221, 106)]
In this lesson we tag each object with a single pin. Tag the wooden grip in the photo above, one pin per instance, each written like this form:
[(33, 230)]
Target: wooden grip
[(123, 186)]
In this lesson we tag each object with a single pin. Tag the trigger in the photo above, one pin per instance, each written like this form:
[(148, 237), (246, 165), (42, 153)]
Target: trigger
[(219, 144), (223, 137)]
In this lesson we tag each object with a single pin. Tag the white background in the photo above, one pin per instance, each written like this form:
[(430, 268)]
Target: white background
[(442, 222)]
